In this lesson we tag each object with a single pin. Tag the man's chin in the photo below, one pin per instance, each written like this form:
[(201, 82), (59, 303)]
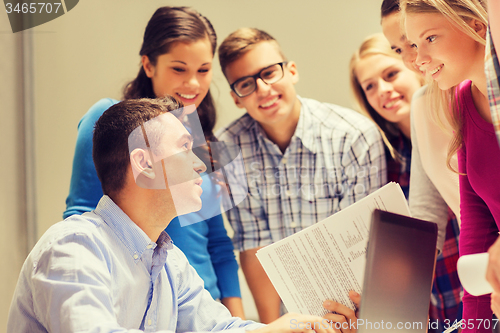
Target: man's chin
[(188, 207)]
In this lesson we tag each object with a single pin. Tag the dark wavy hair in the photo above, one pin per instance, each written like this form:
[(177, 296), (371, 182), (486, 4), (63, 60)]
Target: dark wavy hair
[(167, 26), (388, 7), (110, 150)]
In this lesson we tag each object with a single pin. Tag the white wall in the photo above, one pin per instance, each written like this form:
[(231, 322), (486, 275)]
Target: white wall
[(92, 51)]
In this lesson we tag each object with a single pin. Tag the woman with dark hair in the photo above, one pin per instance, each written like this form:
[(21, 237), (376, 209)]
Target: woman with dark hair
[(434, 193), (176, 55)]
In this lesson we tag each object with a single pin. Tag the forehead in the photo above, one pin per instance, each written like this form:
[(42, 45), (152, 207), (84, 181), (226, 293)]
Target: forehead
[(392, 29), (416, 24), (262, 55), (196, 52), (171, 131), (373, 66)]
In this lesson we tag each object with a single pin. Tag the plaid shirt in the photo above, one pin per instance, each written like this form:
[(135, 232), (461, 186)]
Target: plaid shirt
[(446, 288), (492, 70), (446, 296), (335, 157)]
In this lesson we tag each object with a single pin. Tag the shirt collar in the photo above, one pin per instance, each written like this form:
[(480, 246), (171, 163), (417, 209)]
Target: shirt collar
[(133, 238), (304, 132)]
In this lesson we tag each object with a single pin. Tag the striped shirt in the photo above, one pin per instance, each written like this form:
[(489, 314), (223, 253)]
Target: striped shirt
[(335, 157)]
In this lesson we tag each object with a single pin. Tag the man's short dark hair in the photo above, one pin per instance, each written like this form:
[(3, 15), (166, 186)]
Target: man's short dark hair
[(111, 133), (388, 7), (240, 42)]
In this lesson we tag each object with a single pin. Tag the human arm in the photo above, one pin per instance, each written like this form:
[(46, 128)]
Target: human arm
[(295, 323), (266, 298), (235, 306), (195, 302), (225, 266), (66, 286), (478, 232), (425, 201), (85, 188)]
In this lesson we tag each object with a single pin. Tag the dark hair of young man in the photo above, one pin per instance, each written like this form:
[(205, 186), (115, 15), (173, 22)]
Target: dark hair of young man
[(240, 42), (388, 7), (111, 134)]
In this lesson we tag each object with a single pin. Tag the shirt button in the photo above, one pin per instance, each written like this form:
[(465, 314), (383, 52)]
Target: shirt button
[(136, 256), (149, 322), (149, 246), (288, 193), (283, 160), (293, 225)]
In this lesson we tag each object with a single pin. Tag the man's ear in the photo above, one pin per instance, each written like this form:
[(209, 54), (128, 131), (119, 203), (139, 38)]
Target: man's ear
[(149, 68), (141, 164), (236, 100), (292, 68)]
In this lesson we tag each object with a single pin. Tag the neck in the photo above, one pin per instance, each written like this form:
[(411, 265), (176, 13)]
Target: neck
[(481, 102), (281, 132), (480, 89), (405, 127), (144, 208)]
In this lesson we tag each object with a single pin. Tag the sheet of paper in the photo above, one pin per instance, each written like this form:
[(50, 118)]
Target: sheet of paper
[(327, 260)]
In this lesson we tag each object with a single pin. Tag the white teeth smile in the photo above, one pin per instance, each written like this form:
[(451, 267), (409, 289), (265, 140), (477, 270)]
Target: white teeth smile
[(435, 70), (391, 103), (271, 102), (187, 96)]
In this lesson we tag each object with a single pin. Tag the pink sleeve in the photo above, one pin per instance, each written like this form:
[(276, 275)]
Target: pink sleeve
[(478, 231)]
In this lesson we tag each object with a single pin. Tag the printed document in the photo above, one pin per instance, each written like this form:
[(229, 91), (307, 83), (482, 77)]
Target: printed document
[(327, 259)]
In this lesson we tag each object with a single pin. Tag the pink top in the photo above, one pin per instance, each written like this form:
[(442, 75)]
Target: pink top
[(479, 159)]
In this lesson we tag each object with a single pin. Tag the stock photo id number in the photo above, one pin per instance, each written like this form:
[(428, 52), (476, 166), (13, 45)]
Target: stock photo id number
[(25, 14)]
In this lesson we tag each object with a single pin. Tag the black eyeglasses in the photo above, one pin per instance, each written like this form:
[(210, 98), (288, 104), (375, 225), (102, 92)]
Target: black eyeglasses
[(269, 75)]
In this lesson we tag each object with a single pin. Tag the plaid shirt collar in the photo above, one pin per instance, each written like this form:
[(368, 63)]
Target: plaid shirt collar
[(304, 132)]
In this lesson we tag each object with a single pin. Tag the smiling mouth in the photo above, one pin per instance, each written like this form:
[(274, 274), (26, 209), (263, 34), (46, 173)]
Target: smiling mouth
[(391, 103), (271, 102), (435, 70), (187, 96)]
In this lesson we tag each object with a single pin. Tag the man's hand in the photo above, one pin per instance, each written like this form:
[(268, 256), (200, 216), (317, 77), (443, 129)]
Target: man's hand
[(298, 323), (343, 318)]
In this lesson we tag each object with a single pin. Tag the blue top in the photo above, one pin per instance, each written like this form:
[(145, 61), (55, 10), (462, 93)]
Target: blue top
[(101, 272), (205, 244)]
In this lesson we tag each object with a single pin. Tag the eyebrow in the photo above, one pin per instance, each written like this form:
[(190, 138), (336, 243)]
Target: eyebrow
[(367, 80), (182, 62), (425, 31), (185, 137)]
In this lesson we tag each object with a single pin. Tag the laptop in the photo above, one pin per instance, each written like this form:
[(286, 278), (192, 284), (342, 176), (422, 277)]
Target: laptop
[(398, 275)]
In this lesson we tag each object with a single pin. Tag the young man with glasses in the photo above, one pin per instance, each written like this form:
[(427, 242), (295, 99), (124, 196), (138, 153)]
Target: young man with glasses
[(304, 160)]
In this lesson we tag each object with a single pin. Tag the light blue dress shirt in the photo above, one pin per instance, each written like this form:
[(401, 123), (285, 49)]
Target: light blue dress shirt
[(99, 272)]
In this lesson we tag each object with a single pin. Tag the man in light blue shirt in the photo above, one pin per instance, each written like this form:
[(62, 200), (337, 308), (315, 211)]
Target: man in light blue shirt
[(115, 269)]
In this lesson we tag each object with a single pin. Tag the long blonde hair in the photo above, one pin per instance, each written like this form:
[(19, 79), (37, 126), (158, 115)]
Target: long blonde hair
[(443, 102), (372, 45)]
